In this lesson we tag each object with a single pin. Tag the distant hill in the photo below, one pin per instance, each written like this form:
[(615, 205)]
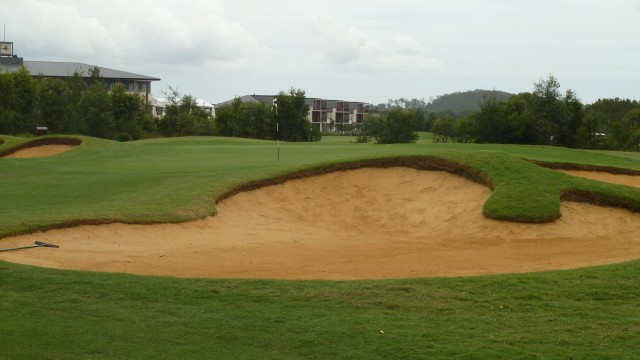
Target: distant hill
[(464, 102)]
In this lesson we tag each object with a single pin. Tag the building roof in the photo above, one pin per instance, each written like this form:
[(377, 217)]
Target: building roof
[(65, 69)]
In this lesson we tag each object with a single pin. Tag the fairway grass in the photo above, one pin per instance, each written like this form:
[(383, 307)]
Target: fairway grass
[(588, 313), (579, 314)]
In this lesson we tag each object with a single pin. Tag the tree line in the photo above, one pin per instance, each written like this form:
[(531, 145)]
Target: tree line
[(74, 105), (83, 105), (285, 119), (547, 116), (397, 125)]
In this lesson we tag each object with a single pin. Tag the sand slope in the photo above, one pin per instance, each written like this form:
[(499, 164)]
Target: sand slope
[(629, 180), (360, 224)]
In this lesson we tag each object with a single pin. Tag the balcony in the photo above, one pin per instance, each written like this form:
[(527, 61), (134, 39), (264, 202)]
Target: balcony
[(363, 108), (342, 106), (320, 105)]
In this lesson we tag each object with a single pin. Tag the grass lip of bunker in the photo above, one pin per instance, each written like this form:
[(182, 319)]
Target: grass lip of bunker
[(44, 141), (605, 174)]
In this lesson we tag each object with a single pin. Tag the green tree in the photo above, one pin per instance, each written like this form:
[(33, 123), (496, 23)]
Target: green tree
[(421, 119), (575, 113), (632, 121), (491, 122), (75, 123), (397, 126), (168, 125), (18, 102), (96, 110), (192, 120), (401, 127), (57, 106), (128, 113), (255, 121), (249, 120), (465, 129), (290, 117), (226, 117), (550, 116), (430, 120), (444, 129), (625, 133), (95, 76), (9, 116), (604, 112), (373, 128), (520, 120)]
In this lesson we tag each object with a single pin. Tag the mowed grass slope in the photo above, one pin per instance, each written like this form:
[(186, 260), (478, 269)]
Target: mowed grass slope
[(581, 314)]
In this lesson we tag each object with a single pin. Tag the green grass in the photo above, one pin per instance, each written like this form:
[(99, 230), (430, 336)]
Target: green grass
[(581, 314), (425, 137), (178, 179)]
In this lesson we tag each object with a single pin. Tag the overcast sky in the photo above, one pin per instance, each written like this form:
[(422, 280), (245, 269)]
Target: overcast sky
[(353, 50)]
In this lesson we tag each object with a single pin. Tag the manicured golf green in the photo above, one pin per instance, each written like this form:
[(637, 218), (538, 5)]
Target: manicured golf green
[(581, 314)]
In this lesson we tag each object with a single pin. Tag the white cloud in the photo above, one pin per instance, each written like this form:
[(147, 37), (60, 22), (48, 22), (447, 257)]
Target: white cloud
[(221, 48), (57, 30), (196, 34), (133, 32), (348, 48)]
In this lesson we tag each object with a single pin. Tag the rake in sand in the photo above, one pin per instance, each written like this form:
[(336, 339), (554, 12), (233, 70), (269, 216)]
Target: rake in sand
[(37, 244)]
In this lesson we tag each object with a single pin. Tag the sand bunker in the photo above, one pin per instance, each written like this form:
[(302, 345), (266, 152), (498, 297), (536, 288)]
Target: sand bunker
[(359, 224), (40, 151), (629, 180)]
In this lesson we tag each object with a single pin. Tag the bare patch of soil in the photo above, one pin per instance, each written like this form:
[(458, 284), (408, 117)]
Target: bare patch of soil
[(357, 224)]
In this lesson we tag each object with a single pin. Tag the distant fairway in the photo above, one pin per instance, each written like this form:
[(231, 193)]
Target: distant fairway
[(585, 313)]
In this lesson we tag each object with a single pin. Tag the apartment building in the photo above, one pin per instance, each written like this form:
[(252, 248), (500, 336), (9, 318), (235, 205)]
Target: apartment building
[(135, 83), (329, 115)]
